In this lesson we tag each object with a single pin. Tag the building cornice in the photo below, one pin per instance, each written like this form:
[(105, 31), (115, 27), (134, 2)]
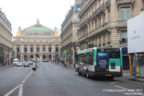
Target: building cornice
[(6, 29)]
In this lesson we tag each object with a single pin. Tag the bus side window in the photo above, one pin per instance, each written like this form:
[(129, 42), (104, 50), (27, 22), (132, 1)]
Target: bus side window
[(90, 59)]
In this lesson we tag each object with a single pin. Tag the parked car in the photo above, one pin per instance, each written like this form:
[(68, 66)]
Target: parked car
[(17, 62), (45, 60), (30, 62), (26, 64)]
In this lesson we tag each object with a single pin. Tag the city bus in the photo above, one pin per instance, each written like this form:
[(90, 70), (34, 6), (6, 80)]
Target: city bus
[(99, 62)]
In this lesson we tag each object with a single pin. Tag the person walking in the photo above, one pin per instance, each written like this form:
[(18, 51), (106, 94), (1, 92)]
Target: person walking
[(34, 66)]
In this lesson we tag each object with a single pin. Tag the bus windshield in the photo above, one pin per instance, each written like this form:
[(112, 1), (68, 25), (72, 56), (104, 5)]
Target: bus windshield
[(112, 52)]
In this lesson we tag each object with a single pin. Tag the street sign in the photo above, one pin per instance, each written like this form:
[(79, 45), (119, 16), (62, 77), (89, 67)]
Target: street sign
[(136, 34)]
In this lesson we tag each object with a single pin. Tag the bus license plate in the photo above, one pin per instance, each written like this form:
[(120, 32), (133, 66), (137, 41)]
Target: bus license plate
[(108, 75)]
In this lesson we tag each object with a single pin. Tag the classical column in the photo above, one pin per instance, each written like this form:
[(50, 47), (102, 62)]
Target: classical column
[(52, 57), (106, 15), (106, 38), (34, 49), (21, 57), (88, 28), (28, 49), (94, 24), (40, 57), (47, 49), (41, 49), (22, 49), (53, 49), (101, 19)]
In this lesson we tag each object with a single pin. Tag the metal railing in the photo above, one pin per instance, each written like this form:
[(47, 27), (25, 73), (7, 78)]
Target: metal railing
[(125, 1), (100, 29), (95, 13), (86, 7), (123, 41)]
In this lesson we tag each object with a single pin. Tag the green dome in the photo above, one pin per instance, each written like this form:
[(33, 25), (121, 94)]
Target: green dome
[(37, 29)]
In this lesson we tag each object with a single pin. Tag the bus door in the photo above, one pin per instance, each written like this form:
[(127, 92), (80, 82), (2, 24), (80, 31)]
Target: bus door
[(102, 61)]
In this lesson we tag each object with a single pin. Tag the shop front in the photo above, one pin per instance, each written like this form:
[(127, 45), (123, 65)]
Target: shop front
[(1, 56), (137, 64), (5, 55), (125, 58)]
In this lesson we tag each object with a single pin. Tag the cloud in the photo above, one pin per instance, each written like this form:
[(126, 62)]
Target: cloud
[(24, 13)]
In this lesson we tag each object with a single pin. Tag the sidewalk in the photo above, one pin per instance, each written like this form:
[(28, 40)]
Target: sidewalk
[(6, 66), (127, 75)]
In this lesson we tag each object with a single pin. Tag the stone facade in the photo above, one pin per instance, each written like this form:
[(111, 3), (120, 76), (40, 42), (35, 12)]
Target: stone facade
[(104, 23), (5, 40), (69, 33), (37, 42)]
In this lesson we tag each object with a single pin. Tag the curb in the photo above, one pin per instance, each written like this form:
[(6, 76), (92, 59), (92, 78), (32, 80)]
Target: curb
[(137, 79), (140, 79), (5, 66)]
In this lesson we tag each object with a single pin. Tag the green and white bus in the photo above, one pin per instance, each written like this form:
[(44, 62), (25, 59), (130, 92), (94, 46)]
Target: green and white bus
[(103, 62)]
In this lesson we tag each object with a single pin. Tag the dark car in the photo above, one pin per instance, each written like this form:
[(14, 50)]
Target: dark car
[(26, 64)]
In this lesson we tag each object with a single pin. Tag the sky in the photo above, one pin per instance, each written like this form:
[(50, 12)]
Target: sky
[(24, 13)]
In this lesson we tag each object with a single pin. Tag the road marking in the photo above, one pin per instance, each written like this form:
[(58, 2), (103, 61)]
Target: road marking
[(120, 87), (20, 86), (11, 91), (20, 90), (26, 77)]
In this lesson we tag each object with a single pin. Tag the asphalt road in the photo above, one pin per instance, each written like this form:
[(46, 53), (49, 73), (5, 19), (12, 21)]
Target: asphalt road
[(54, 80)]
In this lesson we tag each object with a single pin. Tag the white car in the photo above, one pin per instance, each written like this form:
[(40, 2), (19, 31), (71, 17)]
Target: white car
[(17, 62)]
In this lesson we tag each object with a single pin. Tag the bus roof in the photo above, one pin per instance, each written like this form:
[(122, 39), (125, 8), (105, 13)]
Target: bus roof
[(91, 50)]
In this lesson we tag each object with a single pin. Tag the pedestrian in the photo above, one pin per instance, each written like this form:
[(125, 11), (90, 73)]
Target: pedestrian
[(34, 66)]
